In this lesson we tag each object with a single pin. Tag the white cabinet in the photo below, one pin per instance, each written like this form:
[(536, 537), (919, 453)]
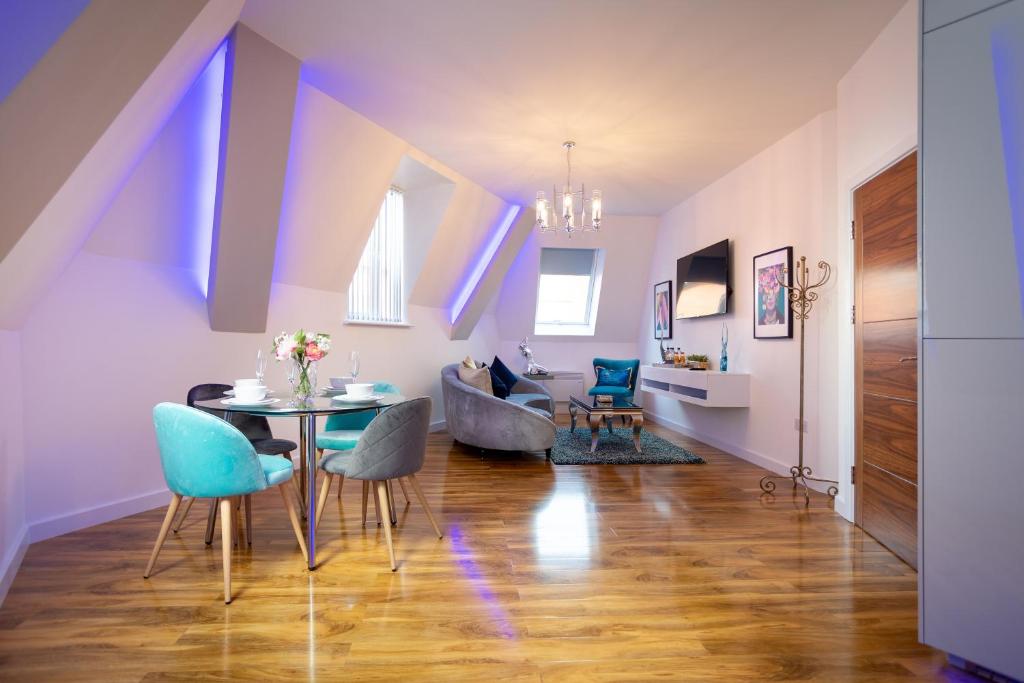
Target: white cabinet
[(699, 387), (561, 384)]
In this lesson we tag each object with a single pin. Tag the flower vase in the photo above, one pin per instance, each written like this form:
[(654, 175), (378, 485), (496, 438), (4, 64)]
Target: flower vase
[(303, 379)]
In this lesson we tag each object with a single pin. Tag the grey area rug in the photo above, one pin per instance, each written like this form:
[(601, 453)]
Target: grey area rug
[(617, 449)]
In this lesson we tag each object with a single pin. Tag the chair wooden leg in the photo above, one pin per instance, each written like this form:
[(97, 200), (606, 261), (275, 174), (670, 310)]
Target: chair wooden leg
[(248, 520), (236, 520), (366, 490), (322, 502), (382, 498), (405, 492), (172, 510), (226, 540), (184, 514), (423, 502), (376, 507), (296, 527), (211, 520), (341, 482)]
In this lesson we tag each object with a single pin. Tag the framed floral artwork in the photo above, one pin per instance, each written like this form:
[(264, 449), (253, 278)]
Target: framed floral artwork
[(773, 317)]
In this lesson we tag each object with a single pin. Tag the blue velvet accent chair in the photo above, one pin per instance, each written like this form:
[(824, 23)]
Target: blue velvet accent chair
[(393, 446), (205, 457), (626, 393)]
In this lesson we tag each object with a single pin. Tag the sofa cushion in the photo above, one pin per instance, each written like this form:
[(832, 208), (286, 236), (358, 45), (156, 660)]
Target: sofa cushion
[(507, 377), (609, 377), (527, 399), (501, 390), (479, 378)]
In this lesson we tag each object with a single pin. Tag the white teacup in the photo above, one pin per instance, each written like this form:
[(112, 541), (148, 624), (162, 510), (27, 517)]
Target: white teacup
[(246, 383), (250, 392), (340, 382), (359, 390)]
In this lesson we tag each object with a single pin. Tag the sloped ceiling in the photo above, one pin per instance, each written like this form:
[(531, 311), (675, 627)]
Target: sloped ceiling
[(73, 129), (663, 96)]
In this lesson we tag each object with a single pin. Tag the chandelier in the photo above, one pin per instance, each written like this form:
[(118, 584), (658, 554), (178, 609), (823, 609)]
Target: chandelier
[(574, 205)]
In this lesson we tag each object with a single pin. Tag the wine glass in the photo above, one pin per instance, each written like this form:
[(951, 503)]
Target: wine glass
[(261, 365), (354, 358)]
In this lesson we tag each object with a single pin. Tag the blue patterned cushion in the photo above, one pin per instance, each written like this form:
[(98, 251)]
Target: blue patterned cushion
[(607, 377)]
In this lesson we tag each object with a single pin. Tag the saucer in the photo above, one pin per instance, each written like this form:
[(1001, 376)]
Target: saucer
[(231, 392), (239, 402), (345, 398)]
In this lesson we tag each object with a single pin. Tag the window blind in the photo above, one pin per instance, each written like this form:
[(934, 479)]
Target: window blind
[(377, 292)]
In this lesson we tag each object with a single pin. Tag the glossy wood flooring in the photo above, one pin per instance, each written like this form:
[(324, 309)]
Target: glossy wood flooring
[(592, 573)]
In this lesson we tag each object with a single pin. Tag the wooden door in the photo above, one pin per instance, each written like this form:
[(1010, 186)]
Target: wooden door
[(885, 248)]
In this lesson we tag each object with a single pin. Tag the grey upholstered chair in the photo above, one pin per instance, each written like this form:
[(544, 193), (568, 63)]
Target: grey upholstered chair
[(393, 445)]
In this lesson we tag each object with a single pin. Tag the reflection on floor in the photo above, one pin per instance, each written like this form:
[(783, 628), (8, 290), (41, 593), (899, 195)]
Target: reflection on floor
[(678, 572)]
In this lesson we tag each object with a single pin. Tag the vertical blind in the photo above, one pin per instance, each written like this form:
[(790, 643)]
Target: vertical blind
[(377, 292)]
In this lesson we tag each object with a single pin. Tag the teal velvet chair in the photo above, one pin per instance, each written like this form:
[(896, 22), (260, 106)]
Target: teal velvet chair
[(205, 457), (633, 365), (342, 432)]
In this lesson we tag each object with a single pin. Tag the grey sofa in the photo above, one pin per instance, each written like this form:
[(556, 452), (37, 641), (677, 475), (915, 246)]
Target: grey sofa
[(522, 422)]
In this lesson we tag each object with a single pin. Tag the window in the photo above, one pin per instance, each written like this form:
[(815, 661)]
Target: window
[(377, 292), (568, 290)]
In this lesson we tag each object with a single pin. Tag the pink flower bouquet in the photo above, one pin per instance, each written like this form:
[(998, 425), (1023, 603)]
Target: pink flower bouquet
[(303, 350)]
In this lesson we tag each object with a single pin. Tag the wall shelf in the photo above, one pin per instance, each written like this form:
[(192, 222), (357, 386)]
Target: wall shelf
[(707, 388)]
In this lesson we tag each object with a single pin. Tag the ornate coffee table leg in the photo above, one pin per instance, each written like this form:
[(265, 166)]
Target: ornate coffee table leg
[(608, 420), (572, 418), (638, 424), (595, 427)]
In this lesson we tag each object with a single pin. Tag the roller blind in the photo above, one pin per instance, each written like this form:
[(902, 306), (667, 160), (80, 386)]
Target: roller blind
[(557, 261), (377, 291)]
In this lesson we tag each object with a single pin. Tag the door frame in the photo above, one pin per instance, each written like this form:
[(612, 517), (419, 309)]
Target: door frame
[(845, 406), (858, 330)]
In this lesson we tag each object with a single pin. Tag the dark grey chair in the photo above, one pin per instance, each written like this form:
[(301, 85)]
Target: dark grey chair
[(392, 446)]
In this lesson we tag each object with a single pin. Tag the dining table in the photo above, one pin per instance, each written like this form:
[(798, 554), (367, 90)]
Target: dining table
[(325, 402)]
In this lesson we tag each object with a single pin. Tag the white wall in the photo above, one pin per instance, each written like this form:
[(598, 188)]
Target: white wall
[(876, 124), (12, 457), (628, 243), (785, 196)]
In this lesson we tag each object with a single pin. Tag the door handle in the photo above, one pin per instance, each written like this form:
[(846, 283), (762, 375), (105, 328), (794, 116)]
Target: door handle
[(908, 358)]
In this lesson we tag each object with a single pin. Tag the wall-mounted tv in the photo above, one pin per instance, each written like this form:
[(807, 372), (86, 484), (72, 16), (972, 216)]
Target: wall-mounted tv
[(702, 282)]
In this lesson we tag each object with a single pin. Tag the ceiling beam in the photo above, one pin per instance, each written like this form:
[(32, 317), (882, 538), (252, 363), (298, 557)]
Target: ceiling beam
[(484, 279), (260, 84), (74, 128)]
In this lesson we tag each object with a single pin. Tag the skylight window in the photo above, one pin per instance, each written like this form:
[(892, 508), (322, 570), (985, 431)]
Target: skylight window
[(568, 291), (377, 292)]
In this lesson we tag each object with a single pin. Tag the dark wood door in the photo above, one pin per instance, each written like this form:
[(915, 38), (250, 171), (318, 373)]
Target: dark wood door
[(885, 248)]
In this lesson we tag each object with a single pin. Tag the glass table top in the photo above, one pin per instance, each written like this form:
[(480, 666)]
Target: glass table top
[(590, 404), (286, 405)]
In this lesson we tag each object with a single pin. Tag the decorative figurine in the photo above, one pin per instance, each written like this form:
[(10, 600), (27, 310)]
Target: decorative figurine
[(723, 362), (531, 367)]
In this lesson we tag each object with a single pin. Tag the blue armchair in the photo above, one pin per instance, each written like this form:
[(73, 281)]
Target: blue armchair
[(633, 365)]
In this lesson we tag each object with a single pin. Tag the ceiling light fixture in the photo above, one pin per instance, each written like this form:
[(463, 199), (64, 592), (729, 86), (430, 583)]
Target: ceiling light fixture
[(574, 205)]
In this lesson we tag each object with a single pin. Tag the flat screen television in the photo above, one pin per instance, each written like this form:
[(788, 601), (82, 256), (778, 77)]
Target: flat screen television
[(702, 282)]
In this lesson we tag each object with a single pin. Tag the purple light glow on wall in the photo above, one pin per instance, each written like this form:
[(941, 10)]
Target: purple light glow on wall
[(211, 84), (482, 262), (1008, 69)]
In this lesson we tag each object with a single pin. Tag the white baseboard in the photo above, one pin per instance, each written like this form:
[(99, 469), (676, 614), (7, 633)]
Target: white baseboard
[(11, 563), (438, 426), (732, 449), (80, 519)]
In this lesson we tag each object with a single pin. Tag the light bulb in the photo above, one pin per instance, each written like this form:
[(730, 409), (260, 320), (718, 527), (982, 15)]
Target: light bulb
[(595, 208)]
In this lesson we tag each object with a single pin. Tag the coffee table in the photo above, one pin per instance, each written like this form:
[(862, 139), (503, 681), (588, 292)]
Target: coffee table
[(608, 412)]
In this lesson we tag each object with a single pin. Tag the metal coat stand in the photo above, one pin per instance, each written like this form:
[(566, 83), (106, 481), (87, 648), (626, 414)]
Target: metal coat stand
[(801, 298)]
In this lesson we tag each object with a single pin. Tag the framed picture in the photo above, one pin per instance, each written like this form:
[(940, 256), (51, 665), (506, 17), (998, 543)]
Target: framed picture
[(663, 310), (773, 318)]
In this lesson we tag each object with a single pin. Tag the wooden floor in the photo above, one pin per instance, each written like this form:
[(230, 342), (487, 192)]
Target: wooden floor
[(578, 573)]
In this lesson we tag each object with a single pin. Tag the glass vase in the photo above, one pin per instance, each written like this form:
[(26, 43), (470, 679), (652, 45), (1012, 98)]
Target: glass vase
[(303, 380)]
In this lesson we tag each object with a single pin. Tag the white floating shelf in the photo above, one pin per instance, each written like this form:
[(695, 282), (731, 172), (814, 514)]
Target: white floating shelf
[(707, 388)]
